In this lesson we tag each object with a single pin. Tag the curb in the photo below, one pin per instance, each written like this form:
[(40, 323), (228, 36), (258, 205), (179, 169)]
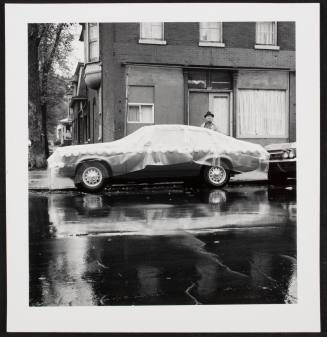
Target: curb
[(150, 186)]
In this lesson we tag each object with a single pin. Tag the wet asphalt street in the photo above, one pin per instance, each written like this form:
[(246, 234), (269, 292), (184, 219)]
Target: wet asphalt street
[(163, 246)]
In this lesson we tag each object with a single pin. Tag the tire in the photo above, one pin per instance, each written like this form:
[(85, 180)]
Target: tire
[(276, 178), (91, 177), (216, 176)]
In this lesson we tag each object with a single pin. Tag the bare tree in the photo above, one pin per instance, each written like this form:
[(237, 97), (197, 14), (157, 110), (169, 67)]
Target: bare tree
[(48, 48)]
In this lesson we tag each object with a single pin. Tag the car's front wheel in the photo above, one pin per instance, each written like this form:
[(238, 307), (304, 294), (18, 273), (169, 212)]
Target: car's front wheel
[(216, 176), (91, 177)]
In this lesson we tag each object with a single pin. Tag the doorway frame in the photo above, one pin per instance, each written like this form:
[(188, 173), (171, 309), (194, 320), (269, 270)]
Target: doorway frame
[(214, 91)]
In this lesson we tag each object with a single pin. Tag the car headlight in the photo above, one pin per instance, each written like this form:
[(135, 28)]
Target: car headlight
[(285, 155), (292, 154)]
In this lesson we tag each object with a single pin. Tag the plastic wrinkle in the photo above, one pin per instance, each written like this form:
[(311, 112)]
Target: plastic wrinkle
[(164, 145)]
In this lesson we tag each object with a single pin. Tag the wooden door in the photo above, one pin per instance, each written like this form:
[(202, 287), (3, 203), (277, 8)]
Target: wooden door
[(198, 106), (220, 106)]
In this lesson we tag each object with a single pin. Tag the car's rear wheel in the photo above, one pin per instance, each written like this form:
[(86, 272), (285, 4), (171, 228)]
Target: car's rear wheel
[(91, 176), (216, 176)]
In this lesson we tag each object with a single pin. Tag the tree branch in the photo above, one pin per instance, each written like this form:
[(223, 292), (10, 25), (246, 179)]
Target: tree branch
[(49, 61)]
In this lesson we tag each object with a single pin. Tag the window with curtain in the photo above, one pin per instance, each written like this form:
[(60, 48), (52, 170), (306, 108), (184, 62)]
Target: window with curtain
[(140, 113), (140, 104), (152, 31), (266, 33), (93, 42), (262, 113), (211, 32)]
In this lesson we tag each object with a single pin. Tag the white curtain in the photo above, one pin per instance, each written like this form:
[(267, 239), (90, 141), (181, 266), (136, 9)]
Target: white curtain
[(133, 113), (211, 31), (93, 51), (265, 33), (140, 113), (262, 113), (146, 114), (93, 31), (152, 30), (93, 40)]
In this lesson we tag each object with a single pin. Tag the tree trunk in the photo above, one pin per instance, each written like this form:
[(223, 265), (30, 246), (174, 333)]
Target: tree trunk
[(36, 148), (45, 71), (44, 130)]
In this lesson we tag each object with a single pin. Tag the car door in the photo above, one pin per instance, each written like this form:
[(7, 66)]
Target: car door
[(165, 157)]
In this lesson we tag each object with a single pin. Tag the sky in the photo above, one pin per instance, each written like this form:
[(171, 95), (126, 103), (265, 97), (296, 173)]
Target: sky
[(77, 54)]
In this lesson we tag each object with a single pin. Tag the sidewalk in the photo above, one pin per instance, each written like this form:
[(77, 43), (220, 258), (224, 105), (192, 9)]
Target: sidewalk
[(38, 179)]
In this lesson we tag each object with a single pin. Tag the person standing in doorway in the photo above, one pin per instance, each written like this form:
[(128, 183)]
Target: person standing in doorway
[(208, 123)]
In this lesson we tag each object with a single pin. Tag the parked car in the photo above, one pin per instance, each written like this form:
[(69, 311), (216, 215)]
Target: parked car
[(158, 152), (282, 162)]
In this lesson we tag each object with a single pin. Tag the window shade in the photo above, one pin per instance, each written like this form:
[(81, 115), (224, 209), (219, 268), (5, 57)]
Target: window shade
[(140, 94), (93, 42), (211, 31), (152, 30), (262, 113), (265, 33)]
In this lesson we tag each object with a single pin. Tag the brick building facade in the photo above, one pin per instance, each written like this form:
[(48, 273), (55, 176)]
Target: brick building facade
[(138, 74)]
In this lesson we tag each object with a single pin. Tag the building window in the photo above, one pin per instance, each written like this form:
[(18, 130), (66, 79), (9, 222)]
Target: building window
[(152, 33), (266, 35), (209, 79), (140, 104), (197, 79), (80, 128), (85, 127), (211, 34), (93, 42), (140, 113), (262, 114)]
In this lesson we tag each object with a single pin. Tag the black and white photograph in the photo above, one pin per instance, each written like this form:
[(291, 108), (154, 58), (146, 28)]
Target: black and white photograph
[(161, 167), (169, 153)]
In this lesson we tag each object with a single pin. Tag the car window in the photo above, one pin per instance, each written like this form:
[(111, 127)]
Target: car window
[(168, 137), (200, 138)]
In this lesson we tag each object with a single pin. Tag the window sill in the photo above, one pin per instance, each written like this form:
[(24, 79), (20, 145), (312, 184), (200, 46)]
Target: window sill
[(266, 47), (211, 44), (262, 137), (92, 62), (150, 123), (150, 41)]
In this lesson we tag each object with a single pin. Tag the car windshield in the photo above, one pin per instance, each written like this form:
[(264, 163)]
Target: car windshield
[(155, 136), (137, 138)]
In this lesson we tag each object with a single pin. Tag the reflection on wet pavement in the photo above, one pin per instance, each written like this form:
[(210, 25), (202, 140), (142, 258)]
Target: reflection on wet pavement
[(188, 246)]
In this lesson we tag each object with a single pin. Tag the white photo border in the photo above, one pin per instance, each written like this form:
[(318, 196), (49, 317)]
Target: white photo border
[(301, 317)]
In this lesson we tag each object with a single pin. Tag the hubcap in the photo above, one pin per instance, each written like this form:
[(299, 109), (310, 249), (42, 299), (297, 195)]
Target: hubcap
[(92, 176), (217, 175)]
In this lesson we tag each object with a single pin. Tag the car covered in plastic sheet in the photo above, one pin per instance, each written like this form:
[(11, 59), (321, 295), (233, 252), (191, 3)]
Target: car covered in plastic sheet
[(157, 153), (282, 162)]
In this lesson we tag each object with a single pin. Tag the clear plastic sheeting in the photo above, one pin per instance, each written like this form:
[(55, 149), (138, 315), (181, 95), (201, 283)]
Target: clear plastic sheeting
[(162, 145), (280, 146)]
